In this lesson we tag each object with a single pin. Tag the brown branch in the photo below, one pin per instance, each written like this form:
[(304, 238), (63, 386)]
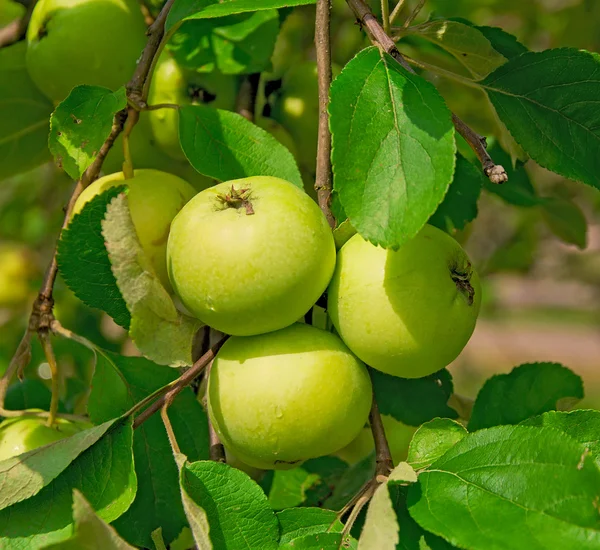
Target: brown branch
[(383, 457), (324, 177), (494, 172), (16, 31), (216, 449), (184, 380), (245, 103)]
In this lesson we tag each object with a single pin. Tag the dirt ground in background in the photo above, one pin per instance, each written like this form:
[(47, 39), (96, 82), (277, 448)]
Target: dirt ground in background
[(496, 348)]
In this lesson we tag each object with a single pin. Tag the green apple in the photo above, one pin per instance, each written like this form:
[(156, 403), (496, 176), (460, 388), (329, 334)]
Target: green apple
[(251, 255), (154, 200), (23, 434), (72, 42), (408, 312), (235, 462), (297, 109), (17, 268), (9, 11), (173, 84), (281, 398), (145, 153), (398, 437)]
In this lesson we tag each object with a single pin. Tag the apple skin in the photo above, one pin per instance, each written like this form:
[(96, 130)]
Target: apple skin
[(281, 398), (72, 42), (172, 84), (246, 274), (154, 200), (297, 109), (398, 436), (402, 312), (23, 434), (9, 11)]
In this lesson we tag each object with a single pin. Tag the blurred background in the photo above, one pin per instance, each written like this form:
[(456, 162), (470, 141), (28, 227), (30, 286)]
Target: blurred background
[(535, 242)]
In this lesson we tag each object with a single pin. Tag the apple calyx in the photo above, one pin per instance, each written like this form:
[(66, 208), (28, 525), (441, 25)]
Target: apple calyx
[(462, 280), (237, 198)]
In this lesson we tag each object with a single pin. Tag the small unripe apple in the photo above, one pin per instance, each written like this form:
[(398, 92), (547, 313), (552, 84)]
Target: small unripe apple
[(23, 434), (154, 200), (251, 255), (72, 42), (173, 84), (281, 398), (17, 268), (278, 132), (408, 312), (398, 436), (9, 11)]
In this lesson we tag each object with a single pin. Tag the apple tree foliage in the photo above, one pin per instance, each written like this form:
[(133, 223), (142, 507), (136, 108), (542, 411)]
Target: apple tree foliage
[(518, 471)]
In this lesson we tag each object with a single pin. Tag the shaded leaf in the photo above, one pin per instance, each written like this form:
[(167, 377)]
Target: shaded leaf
[(25, 114), (528, 390), (80, 124), (566, 220), (393, 148), (295, 523), (160, 332), (511, 487), (548, 101), (502, 41), (83, 260), (289, 487)]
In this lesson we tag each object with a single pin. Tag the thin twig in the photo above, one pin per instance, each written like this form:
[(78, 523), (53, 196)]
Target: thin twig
[(184, 380), (245, 103), (324, 178), (164, 414), (216, 449), (413, 14), (51, 358), (396, 11), (494, 172), (383, 457), (16, 31), (385, 15)]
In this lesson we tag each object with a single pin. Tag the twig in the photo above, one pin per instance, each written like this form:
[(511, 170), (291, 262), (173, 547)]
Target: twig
[(396, 11), (51, 358), (494, 172), (413, 14), (184, 380), (164, 414), (324, 178), (16, 31), (383, 457), (385, 15), (216, 449), (245, 103)]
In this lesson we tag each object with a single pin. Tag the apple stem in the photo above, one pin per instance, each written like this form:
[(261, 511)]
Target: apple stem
[(383, 457), (216, 449), (54, 372)]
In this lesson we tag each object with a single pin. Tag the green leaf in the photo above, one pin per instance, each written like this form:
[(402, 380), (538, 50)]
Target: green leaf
[(432, 440), (528, 390), (210, 9), (566, 220), (31, 393), (83, 260), (90, 531), (518, 190), (225, 146), (503, 42), (393, 147), (317, 541), (350, 482), (289, 487), (465, 42), (511, 487), (381, 525), (295, 523), (236, 508), (25, 114), (80, 125), (581, 425), (160, 332), (238, 44), (24, 476), (459, 206), (547, 100), (120, 382), (103, 473), (415, 400)]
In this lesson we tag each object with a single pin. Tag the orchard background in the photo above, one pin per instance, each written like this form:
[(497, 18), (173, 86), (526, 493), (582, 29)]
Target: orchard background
[(497, 460)]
